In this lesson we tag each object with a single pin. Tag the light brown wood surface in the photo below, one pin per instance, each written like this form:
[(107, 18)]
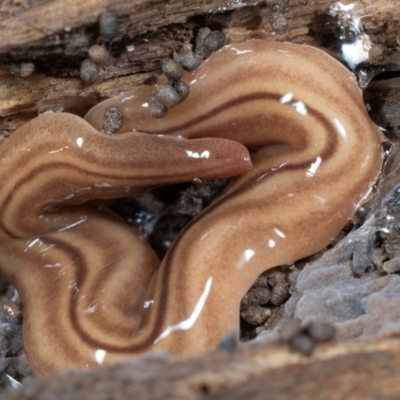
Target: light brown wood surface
[(55, 36), (42, 31), (364, 370)]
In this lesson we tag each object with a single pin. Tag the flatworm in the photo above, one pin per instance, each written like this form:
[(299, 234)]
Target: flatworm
[(93, 290)]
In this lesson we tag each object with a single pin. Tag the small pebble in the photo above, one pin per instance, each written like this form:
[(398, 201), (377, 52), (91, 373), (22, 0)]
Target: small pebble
[(255, 315), (167, 95), (200, 49), (391, 266), (155, 108), (22, 70), (183, 89), (201, 35), (377, 53), (198, 181), (279, 293), (26, 69), (89, 71), (108, 26), (214, 41), (98, 54), (13, 311), (277, 313), (289, 330), (112, 121), (189, 60), (320, 331), (229, 342), (303, 344), (172, 69), (255, 296), (304, 339), (275, 277)]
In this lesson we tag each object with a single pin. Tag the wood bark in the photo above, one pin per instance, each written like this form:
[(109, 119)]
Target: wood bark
[(364, 370), (55, 35)]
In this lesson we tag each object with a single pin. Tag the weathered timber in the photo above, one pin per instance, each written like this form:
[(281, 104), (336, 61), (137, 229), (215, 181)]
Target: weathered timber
[(363, 370), (56, 35)]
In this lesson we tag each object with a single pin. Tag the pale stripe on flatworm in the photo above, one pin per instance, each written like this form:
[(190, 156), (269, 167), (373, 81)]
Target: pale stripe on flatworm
[(94, 292)]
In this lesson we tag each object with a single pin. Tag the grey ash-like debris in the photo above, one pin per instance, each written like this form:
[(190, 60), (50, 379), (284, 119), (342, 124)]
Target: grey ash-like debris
[(89, 71), (14, 367), (320, 331), (304, 339), (303, 344), (355, 286), (108, 26)]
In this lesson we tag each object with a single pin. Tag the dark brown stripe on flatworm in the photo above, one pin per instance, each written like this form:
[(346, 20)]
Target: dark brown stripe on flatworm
[(51, 166), (329, 150), (231, 104), (80, 276), (81, 267)]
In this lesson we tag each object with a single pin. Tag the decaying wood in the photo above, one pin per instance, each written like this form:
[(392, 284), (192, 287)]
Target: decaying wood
[(363, 370), (26, 23), (56, 35)]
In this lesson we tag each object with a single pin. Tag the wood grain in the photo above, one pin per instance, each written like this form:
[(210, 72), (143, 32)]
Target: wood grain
[(362, 370), (57, 49)]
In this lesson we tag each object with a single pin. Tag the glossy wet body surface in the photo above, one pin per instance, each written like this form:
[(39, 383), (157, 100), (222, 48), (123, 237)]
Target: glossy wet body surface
[(93, 290)]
